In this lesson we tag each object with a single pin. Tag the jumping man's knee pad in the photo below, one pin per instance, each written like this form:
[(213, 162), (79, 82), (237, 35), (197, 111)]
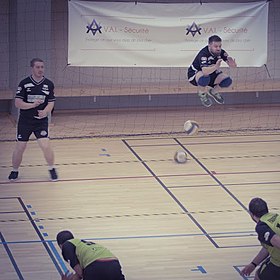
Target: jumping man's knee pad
[(225, 82), (203, 81)]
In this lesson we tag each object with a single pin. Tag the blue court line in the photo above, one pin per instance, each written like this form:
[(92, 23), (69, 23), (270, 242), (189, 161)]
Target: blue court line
[(58, 257), (234, 236), (146, 236), (190, 216), (51, 245), (233, 232), (239, 246), (40, 235), (116, 238), (199, 268), (13, 261), (140, 237), (132, 237), (135, 237)]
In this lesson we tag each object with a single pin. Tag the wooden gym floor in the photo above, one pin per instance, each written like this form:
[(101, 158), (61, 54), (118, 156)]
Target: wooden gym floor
[(163, 220)]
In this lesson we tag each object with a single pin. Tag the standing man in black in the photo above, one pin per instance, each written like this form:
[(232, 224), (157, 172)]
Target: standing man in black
[(205, 71), (35, 99)]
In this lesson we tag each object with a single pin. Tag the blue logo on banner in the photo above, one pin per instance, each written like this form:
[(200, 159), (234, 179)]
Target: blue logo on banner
[(193, 29), (94, 27)]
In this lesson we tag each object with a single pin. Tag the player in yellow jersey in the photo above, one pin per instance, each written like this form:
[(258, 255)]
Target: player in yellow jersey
[(268, 230), (89, 260)]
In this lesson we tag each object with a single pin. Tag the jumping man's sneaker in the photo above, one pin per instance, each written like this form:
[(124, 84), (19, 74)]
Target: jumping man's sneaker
[(205, 100), (13, 175), (216, 96), (53, 174)]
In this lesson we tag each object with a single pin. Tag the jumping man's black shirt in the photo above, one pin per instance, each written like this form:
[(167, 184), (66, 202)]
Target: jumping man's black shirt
[(205, 58)]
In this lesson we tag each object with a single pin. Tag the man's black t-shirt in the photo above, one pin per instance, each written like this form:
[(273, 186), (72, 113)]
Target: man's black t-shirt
[(205, 58), (29, 90)]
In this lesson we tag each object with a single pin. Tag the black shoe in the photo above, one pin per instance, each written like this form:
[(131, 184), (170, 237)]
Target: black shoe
[(13, 175), (205, 100), (53, 174), (216, 96)]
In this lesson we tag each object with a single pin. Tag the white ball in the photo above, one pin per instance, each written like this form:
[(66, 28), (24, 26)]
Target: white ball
[(181, 157), (191, 127)]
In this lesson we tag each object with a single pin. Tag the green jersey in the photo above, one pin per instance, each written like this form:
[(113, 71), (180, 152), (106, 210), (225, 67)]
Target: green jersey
[(84, 251), (268, 226)]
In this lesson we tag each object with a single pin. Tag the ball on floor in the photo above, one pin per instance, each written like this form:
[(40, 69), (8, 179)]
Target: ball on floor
[(181, 157)]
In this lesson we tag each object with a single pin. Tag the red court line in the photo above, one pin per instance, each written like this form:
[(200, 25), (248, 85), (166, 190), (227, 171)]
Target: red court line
[(205, 143), (139, 177), (10, 197), (221, 173), (199, 137), (227, 184), (79, 180), (247, 172)]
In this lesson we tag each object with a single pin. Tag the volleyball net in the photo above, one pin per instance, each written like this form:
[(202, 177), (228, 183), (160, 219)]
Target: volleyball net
[(108, 101)]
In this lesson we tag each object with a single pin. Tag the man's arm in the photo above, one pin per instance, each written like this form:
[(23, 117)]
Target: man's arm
[(20, 96), (70, 277), (69, 255), (262, 255), (76, 276), (20, 104), (51, 98), (210, 69), (231, 62), (228, 59), (79, 271), (46, 111), (249, 268)]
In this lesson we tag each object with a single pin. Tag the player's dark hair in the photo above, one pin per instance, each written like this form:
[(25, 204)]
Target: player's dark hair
[(34, 60), (64, 236), (214, 38), (258, 207)]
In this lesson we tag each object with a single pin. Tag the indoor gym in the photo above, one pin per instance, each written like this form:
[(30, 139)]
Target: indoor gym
[(114, 142)]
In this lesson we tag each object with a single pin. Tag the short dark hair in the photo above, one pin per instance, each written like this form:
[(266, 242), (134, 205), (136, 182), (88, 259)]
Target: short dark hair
[(64, 236), (258, 207), (36, 59), (214, 38)]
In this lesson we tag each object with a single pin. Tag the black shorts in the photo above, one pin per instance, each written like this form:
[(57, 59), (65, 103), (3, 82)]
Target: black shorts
[(26, 127), (268, 271), (98, 270), (191, 77)]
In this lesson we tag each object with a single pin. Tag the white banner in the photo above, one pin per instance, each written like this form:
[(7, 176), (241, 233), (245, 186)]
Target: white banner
[(164, 35)]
